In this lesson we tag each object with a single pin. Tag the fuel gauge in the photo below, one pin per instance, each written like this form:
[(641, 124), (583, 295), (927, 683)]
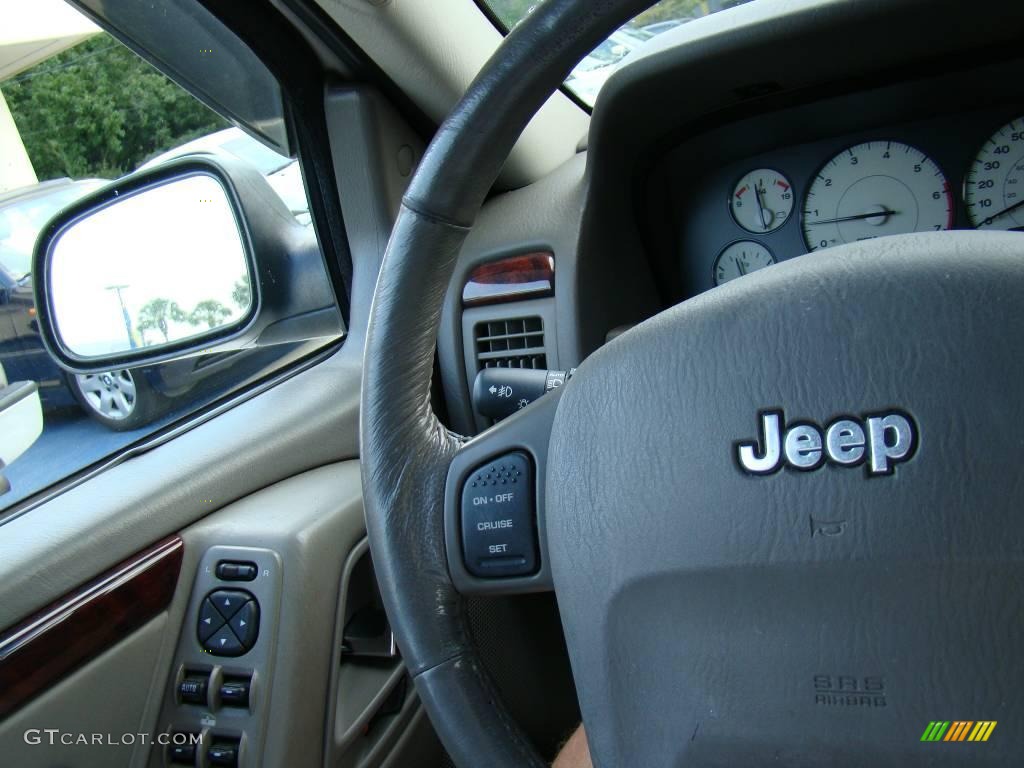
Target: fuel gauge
[(762, 200)]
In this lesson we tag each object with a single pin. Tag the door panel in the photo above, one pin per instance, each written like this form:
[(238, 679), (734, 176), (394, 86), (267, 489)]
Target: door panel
[(312, 525), (309, 522), (106, 696), (271, 470), (44, 648), (309, 420)]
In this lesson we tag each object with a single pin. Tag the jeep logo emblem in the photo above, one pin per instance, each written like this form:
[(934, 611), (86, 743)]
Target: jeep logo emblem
[(883, 441)]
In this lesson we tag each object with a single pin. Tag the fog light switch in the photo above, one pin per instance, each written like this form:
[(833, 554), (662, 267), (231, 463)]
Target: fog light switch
[(499, 531)]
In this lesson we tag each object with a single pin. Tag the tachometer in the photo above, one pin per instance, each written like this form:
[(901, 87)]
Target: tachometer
[(874, 189), (994, 187)]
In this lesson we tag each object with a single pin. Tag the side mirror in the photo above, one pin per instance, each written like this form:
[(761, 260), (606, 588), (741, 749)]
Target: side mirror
[(21, 421), (197, 255)]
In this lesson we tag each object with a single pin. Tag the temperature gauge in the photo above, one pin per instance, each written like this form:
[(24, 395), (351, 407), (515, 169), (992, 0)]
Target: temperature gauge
[(762, 200), (739, 259)]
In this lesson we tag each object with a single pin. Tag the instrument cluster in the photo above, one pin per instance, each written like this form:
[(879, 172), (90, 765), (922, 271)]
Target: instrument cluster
[(788, 202)]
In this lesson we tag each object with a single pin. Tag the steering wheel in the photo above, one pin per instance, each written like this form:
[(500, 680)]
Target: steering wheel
[(782, 519)]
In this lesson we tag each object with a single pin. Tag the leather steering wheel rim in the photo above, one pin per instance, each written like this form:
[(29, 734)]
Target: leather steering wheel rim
[(405, 451)]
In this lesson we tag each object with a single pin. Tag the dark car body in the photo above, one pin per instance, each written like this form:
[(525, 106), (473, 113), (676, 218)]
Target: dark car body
[(23, 212), (23, 357), (23, 360)]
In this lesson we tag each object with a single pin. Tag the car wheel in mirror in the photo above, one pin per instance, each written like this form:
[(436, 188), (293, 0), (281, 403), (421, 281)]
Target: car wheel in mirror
[(120, 399)]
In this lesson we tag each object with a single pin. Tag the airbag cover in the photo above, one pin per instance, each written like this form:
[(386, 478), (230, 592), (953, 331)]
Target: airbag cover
[(811, 615)]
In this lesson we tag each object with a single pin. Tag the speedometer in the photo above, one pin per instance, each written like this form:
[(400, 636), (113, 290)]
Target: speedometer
[(874, 189), (994, 187)]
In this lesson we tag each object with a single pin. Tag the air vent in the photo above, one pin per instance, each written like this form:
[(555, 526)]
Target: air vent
[(515, 343)]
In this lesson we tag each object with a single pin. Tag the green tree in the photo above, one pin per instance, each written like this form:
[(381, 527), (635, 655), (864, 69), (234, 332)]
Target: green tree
[(509, 12), (241, 294), (97, 109), (157, 314), (209, 312)]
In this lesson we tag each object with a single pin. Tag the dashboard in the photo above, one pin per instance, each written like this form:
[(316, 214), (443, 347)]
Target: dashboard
[(700, 168), (922, 153), (958, 171)]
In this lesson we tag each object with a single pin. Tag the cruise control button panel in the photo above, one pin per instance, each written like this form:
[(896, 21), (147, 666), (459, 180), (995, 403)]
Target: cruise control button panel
[(229, 622), (499, 534)]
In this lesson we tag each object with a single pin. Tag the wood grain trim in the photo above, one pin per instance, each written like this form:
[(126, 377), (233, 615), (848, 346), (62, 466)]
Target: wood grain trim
[(526, 276), (54, 642)]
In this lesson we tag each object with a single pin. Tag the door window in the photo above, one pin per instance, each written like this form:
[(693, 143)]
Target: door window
[(78, 109)]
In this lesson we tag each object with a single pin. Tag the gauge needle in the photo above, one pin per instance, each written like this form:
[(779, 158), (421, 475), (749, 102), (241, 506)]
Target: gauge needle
[(988, 220), (739, 266), (856, 217), (760, 206)]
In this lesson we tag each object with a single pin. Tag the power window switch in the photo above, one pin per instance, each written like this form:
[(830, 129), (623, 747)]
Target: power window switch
[(192, 690), (235, 693), (181, 754), (223, 752)]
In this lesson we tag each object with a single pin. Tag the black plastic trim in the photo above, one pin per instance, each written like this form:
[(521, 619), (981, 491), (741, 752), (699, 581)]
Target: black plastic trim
[(304, 81), (362, 68)]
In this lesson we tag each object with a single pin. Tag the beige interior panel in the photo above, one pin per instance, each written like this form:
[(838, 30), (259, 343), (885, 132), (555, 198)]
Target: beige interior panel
[(433, 50), (312, 522), (105, 697), (309, 420)]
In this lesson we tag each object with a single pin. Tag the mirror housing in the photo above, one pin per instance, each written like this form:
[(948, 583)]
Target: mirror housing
[(291, 297)]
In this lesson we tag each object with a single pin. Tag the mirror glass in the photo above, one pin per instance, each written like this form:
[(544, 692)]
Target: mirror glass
[(153, 268)]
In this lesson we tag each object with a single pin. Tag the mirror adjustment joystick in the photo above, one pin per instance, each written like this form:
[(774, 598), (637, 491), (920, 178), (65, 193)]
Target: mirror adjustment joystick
[(500, 392)]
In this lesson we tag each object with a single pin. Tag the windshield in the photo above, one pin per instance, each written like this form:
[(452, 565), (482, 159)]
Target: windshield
[(591, 73), (22, 218)]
